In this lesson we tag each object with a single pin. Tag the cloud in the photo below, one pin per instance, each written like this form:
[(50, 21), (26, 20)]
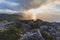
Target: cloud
[(49, 10), (8, 11), (9, 3), (52, 7), (32, 4), (5, 4), (12, 3), (29, 4)]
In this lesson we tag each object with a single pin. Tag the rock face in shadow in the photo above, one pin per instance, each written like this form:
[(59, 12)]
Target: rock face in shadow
[(33, 35), (41, 30), (36, 30)]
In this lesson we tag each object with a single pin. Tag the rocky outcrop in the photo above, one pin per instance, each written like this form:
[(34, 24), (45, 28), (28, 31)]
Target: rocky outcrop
[(36, 30), (33, 35), (45, 31)]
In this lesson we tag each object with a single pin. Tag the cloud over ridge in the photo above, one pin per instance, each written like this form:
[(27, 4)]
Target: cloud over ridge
[(36, 3)]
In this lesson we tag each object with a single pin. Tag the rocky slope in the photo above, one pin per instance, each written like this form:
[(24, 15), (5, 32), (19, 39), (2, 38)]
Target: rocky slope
[(33, 30), (40, 30)]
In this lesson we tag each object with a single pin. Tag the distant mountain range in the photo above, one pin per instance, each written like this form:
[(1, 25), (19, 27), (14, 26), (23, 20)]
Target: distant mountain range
[(21, 16), (9, 16)]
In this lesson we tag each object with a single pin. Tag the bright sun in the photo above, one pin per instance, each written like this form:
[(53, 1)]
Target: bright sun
[(34, 11), (38, 10), (34, 17)]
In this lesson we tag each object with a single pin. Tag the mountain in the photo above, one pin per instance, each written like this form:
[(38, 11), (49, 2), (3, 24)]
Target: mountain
[(30, 30), (9, 17)]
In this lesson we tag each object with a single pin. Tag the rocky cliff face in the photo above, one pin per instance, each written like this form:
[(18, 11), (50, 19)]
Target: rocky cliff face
[(40, 30), (36, 30)]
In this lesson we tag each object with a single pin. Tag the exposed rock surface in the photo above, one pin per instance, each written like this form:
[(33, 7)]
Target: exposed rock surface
[(45, 31), (33, 35), (37, 30)]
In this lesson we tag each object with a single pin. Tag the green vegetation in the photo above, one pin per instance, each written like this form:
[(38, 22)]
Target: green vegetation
[(17, 29), (34, 26), (11, 34), (58, 30), (46, 35)]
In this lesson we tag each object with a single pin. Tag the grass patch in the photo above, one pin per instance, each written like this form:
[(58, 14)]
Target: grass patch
[(58, 30)]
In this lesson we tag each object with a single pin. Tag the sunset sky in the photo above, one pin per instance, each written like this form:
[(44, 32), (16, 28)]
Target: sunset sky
[(50, 7), (40, 5)]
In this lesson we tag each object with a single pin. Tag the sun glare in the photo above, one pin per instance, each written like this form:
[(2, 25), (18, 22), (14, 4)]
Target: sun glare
[(33, 17), (40, 9)]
